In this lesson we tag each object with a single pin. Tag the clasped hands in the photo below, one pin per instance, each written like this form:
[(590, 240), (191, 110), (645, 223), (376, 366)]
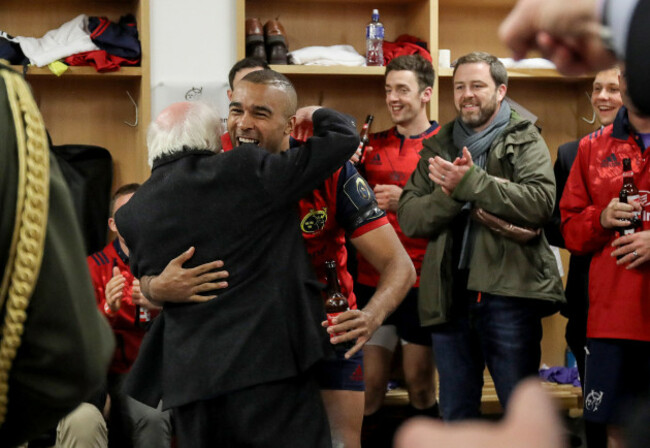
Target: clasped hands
[(448, 174)]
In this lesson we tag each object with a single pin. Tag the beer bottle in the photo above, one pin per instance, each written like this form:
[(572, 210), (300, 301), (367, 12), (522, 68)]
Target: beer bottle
[(142, 316), (629, 193), (365, 131), (335, 302)]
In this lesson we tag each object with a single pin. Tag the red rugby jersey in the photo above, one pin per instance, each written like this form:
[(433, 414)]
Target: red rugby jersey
[(128, 337), (327, 214), (392, 160)]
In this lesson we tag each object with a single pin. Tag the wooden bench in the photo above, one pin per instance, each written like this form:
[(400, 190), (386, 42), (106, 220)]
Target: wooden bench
[(567, 397)]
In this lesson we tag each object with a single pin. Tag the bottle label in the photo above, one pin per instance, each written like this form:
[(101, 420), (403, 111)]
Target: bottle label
[(628, 174), (145, 314), (330, 321), (374, 32), (635, 198)]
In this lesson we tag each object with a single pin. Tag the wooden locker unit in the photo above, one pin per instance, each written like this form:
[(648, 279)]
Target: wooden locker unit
[(84, 106), (354, 90)]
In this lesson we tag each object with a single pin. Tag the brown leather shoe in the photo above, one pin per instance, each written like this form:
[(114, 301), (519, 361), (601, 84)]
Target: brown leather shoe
[(255, 39), (277, 45)]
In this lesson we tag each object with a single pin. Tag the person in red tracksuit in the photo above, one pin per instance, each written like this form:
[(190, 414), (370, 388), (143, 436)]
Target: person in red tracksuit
[(618, 327), (390, 159), (344, 206), (118, 293)]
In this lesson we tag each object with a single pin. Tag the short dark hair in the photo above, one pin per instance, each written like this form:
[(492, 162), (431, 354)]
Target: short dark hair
[(245, 63), (497, 69), (273, 78), (415, 63), (123, 191)]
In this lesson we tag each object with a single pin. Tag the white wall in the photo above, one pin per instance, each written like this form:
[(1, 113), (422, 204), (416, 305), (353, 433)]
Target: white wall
[(192, 49)]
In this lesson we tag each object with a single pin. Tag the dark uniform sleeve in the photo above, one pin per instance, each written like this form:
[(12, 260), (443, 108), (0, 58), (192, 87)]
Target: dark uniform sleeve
[(66, 345), (356, 205), (292, 174), (566, 154)]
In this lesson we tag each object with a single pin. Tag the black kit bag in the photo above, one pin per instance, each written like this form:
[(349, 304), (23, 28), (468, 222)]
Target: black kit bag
[(88, 171)]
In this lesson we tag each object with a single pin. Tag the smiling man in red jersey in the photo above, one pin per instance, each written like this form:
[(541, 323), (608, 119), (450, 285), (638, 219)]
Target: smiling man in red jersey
[(391, 158)]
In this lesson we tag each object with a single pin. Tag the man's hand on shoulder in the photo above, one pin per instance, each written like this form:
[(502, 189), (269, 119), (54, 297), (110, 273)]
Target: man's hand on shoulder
[(177, 284), (304, 125)]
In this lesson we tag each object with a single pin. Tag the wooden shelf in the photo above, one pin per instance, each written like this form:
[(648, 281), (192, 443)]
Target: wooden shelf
[(123, 72), (369, 2), (322, 70), (527, 73), (82, 106)]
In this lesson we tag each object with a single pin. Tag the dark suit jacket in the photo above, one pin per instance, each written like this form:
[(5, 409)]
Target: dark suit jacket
[(578, 279), (237, 206), (637, 57)]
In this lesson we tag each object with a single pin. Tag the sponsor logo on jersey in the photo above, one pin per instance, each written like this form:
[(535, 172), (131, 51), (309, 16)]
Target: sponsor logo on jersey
[(357, 375), (362, 188), (374, 160), (610, 161), (593, 400), (314, 221)]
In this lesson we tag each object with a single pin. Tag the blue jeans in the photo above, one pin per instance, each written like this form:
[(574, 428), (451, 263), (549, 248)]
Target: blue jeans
[(503, 333)]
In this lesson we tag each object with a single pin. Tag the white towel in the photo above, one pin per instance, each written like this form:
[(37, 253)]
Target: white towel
[(332, 55), (70, 38), (527, 63)]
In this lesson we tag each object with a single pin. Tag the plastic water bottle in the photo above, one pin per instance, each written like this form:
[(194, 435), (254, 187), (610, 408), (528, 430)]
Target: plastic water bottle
[(375, 41)]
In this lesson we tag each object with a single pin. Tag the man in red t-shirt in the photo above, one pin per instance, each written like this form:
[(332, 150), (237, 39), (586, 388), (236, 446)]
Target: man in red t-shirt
[(390, 159), (118, 294)]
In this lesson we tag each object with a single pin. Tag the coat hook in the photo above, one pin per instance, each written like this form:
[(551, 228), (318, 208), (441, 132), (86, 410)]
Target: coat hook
[(135, 105), (593, 116)]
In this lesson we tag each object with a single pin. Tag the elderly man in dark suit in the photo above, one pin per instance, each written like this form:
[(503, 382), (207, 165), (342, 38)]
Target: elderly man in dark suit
[(235, 369)]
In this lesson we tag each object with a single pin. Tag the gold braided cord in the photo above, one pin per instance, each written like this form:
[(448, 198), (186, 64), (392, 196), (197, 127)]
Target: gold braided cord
[(28, 240), (20, 187)]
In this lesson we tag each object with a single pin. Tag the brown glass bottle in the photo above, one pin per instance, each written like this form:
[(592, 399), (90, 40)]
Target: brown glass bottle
[(363, 144), (629, 193), (335, 302)]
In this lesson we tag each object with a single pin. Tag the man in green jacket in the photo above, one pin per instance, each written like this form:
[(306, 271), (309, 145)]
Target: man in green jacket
[(485, 291)]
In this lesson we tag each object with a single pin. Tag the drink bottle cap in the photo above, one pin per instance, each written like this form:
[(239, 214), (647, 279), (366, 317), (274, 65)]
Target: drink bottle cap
[(375, 14)]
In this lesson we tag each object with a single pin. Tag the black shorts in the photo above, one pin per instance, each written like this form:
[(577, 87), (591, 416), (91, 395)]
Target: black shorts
[(341, 374), (405, 318), (617, 371)]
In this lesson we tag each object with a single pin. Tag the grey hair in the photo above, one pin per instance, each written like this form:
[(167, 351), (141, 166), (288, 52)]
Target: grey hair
[(195, 126)]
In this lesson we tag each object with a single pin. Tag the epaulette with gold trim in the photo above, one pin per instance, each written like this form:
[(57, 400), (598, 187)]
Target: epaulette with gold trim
[(28, 238)]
